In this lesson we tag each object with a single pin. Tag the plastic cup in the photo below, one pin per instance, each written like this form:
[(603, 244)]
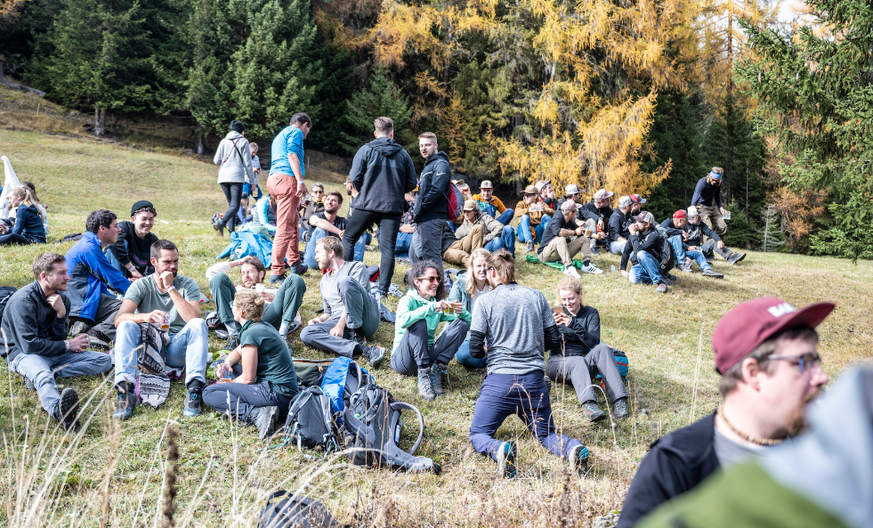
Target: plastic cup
[(165, 323)]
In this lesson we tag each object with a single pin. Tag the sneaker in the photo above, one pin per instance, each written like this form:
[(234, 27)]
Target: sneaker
[(79, 327), (592, 412), (662, 288), (591, 268), (264, 418), (668, 281), (672, 277), (506, 459), (127, 400), (712, 274), (530, 246), (192, 404), (440, 374), (299, 268), (425, 384), (579, 460), (98, 340), (735, 257), (595, 250), (742, 256), (66, 413), (684, 268), (570, 271), (375, 355), (620, 406)]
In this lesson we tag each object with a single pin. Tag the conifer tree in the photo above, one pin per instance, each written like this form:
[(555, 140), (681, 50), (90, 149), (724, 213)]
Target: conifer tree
[(381, 98)]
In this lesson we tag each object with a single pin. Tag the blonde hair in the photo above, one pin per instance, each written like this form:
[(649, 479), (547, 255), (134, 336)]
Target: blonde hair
[(28, 197), (569, 284), (251, 304), (471, 279)]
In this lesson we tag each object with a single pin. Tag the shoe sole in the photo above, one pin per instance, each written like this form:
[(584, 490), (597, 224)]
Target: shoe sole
[(69, 407), (580, 466), (375, 362), (263, 435), (506, 460)]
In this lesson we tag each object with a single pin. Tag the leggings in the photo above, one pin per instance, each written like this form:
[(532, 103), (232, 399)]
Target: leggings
[(233, 193)]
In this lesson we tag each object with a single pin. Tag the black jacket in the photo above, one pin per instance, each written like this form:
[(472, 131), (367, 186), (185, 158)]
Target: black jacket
[(130, 248), (651, 242), (553, 228), (583, 332), (618, 225), (432, 201), (382, 172), (674, 465), (32, 326), (590, 212), (695, 232)]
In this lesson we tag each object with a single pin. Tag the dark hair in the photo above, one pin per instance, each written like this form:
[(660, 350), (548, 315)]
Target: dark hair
[(256, 262), (503, 263), (100, 217), (301, 118), (332, 243), (339, 197), (29, 184), (45, 262), (161, 245), (418, 270)]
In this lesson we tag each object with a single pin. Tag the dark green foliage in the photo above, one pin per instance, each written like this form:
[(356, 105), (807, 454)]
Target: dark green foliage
[(380, 98)]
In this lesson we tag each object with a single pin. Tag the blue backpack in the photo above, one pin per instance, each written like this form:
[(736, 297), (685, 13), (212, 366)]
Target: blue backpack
[(621, 362)]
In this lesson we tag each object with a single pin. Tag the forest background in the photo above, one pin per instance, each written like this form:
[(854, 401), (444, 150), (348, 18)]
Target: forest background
[(634, 96)]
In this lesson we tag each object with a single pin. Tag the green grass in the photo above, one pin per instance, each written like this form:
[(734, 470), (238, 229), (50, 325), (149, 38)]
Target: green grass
[(225, 474)]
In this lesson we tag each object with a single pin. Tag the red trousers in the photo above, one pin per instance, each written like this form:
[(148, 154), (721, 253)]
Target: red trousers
[(286, 243)]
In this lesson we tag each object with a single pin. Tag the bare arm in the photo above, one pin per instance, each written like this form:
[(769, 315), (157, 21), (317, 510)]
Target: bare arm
[(249, 362), (126, 313), (324, 224)]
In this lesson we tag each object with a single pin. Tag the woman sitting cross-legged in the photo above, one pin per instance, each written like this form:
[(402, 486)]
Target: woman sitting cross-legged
[(264, 381), (29, 227), (419, 313), (470, 285), (583, 352)]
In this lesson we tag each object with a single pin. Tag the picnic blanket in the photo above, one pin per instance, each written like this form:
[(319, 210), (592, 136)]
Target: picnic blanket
[(153, 375), (244, 244)]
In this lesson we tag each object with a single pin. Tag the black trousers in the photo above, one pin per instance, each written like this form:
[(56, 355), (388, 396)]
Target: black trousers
[(233, 193), (389, 226)]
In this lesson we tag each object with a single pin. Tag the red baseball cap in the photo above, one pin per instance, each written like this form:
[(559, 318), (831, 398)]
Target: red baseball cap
[(751, 323), (679, 214)]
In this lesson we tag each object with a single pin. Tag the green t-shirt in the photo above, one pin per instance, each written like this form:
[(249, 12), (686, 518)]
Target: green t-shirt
[(275, 364), (144, 292)]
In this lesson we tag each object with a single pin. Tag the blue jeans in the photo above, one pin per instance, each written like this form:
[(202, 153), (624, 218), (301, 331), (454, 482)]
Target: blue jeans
[(616, 248), (401, 248), (466, 360), (42, 371), (523, 231), (188, 348), (319, 233), (506, 216), (506, 241), (681, 253), (646, 271), (525, 396)]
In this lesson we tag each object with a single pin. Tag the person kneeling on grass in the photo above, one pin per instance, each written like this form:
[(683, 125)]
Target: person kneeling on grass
[(583, 354), (471, 285), (518, 324), (351, 315), (563, 238), (419, 313), (282, 304), (262, 380)]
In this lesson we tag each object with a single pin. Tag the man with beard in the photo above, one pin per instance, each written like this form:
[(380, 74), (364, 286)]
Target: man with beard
[(327, 223), (765, 351), (160, 298)]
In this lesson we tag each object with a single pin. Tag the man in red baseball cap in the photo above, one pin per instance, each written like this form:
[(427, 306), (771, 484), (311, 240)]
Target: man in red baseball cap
[(677, 236), (765, 351)]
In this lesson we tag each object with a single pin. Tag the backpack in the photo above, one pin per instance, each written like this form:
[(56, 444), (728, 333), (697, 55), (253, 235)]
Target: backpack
[(310, 422), (372, 428), (5, 293), (455, 207), (621, 362), (295, 512), (668, 256)]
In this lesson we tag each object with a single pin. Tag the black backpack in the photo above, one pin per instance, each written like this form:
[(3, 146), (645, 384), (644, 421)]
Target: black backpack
[(310, 422), (5, 293), (372, 428), (295, 512)]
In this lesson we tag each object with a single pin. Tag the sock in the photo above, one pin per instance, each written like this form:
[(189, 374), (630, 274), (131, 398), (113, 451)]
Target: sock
[(195, 386), (283, 329)]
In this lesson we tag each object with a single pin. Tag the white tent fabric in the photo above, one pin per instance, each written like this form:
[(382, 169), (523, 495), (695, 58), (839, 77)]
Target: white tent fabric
[(11, 182)]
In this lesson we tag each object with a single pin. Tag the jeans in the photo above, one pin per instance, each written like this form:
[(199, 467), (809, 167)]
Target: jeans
[(506, 216), (283, 307), (233, 193), (389, 226), (362, 316), (413, 352), (681, 253), (616, 248), (286, 242), (466, 360), (319, 233), (188, 348), (239, 400), (401, 247), (524, 233), (12, 238), (524, 395), (506, 241), (648, 270), (42, 371), (580, 370)]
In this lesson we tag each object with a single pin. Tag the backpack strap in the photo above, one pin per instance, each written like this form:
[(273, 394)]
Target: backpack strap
[(399, 406)]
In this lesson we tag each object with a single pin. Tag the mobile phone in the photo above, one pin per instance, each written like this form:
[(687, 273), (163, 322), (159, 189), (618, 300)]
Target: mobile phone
[(558, 310)]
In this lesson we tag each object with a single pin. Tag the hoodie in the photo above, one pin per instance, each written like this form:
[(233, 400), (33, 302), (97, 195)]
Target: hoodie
[(432, 201), (382, 172), (234, 159)]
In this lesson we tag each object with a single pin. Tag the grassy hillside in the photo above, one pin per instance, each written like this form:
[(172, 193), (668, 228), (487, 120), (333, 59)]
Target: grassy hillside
[(113, 474)]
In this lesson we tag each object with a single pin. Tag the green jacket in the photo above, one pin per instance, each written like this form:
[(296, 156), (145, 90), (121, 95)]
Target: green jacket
[(413, 308)]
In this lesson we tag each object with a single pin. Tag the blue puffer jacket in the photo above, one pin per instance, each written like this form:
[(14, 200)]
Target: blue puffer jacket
[(91, 275)]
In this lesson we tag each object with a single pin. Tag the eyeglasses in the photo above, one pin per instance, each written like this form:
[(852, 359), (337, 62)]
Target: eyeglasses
[(231, 305), (428, 279), (804, 362)]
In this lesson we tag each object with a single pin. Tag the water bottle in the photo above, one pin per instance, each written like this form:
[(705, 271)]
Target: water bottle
[(612, 268)]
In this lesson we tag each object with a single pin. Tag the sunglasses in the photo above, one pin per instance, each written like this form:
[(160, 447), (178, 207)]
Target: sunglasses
[(804, 362), (428, 279)]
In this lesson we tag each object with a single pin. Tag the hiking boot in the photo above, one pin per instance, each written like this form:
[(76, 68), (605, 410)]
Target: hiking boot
[(98, 340), (591, 268), (218, 229), (277, 279), (299, 268), (440, 374), (592, 412), (232, 342), (506, 457), (192, 404), (127, 400), (530, 246), (620, 406), (712, 274), (66, 413), (570, 271), (668, 281), (264, 418), (735, 257), (425, 384), (374, 354), (579, 460), (662, 288), (79, 327), (684, 268)]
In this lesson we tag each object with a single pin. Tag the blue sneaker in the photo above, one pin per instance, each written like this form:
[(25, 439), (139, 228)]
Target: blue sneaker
[(506, 459), (579, 460), (192, 404)]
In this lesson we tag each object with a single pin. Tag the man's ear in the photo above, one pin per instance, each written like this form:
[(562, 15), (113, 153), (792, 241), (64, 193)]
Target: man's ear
[(751, 371), (391, 134)]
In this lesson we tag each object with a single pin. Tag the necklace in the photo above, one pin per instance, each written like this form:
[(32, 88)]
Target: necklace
[(744, 436)]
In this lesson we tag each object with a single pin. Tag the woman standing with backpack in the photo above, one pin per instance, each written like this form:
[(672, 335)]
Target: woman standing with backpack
[(234, 159), (29, 227)]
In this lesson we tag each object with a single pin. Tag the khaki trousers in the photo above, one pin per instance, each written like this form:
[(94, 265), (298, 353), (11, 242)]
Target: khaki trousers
[(459, 252), (560, 249), (711, 216)]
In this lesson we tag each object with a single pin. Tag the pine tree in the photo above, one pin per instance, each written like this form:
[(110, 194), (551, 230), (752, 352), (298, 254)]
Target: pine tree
[(381, 98)]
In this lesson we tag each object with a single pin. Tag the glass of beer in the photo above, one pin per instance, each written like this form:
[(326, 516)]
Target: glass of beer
[(165, 323), (449, 309)]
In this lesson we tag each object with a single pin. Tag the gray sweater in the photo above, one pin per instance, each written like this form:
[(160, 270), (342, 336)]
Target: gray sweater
[(235, 167)]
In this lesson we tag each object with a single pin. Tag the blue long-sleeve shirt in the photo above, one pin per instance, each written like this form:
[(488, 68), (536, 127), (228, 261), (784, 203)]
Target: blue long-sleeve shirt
[(29, 224), (705, 192), (289, 140), (91, 275)]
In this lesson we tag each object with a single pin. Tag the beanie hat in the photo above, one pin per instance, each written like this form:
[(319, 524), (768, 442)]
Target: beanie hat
[(140, 205), (237, 126)]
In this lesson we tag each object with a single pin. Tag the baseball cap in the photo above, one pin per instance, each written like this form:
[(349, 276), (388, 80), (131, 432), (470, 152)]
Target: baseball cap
[(625, 201), (142, 204), (692, 211), (542, 184), (531, 189), (602, 194), (751, 323), (470, 205), (638, 199), (486, 184), (646, 217), (572, 189), (679, 214), (570, 205)]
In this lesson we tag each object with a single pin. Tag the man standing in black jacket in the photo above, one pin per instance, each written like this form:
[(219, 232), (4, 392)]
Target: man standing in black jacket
[(382, 172), (432, 201), (35, 325), (645, 251), (765, 351)]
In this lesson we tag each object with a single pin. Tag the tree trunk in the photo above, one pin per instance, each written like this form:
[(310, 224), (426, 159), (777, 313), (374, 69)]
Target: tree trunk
[(200, 145), (99, 121)]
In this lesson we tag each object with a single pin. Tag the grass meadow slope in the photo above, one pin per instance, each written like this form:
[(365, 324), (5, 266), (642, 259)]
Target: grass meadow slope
[(113, 475)]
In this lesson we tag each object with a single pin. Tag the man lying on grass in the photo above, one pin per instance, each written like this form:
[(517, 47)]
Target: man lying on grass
[(35, 325), (765, 351)]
